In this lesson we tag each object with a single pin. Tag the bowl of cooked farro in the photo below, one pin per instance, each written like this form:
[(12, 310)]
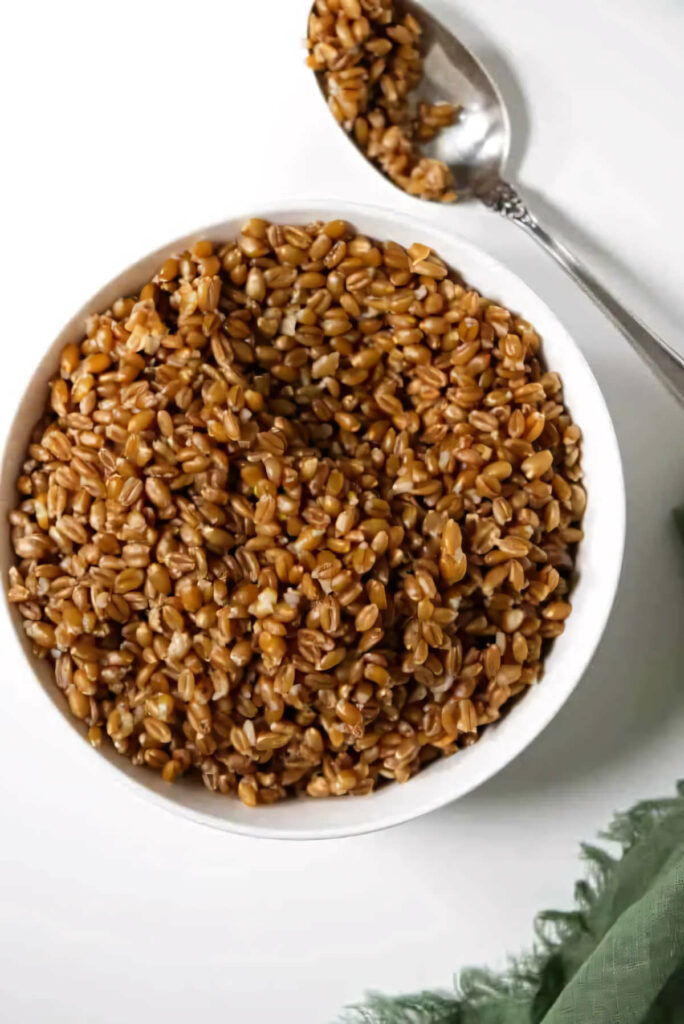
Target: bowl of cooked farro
[(315, 520)]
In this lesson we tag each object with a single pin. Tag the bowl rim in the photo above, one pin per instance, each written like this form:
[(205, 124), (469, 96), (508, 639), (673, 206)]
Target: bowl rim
[(293, 210)]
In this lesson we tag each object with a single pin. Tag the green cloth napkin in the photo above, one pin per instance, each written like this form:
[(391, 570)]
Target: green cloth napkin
[(617, 959)]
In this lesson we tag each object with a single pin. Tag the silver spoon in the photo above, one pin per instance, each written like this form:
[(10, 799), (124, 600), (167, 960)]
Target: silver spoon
[(476, 149)]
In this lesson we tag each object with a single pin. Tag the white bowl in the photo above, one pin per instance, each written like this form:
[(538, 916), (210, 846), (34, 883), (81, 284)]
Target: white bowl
[(600, 556)]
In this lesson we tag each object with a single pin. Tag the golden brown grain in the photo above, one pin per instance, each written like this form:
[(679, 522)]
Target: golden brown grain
[(305, 531), (368, 55)]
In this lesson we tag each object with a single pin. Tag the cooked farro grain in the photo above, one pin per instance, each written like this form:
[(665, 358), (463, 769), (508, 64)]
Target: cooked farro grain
[(368, 54), (299, 516)]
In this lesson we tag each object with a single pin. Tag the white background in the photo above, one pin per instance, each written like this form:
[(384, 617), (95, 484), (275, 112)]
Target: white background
[(128, 123)]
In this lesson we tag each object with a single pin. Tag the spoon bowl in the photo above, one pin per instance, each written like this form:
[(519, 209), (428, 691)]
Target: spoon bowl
[(475, 148)]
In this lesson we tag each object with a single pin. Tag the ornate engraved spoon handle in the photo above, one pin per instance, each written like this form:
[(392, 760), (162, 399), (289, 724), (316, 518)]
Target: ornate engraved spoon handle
[(667, 364)]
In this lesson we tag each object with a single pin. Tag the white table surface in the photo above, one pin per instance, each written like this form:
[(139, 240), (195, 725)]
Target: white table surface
[(130, 123)]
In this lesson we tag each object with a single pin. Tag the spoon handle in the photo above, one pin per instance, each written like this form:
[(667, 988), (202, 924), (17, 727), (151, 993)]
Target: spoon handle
[(665, 363)]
